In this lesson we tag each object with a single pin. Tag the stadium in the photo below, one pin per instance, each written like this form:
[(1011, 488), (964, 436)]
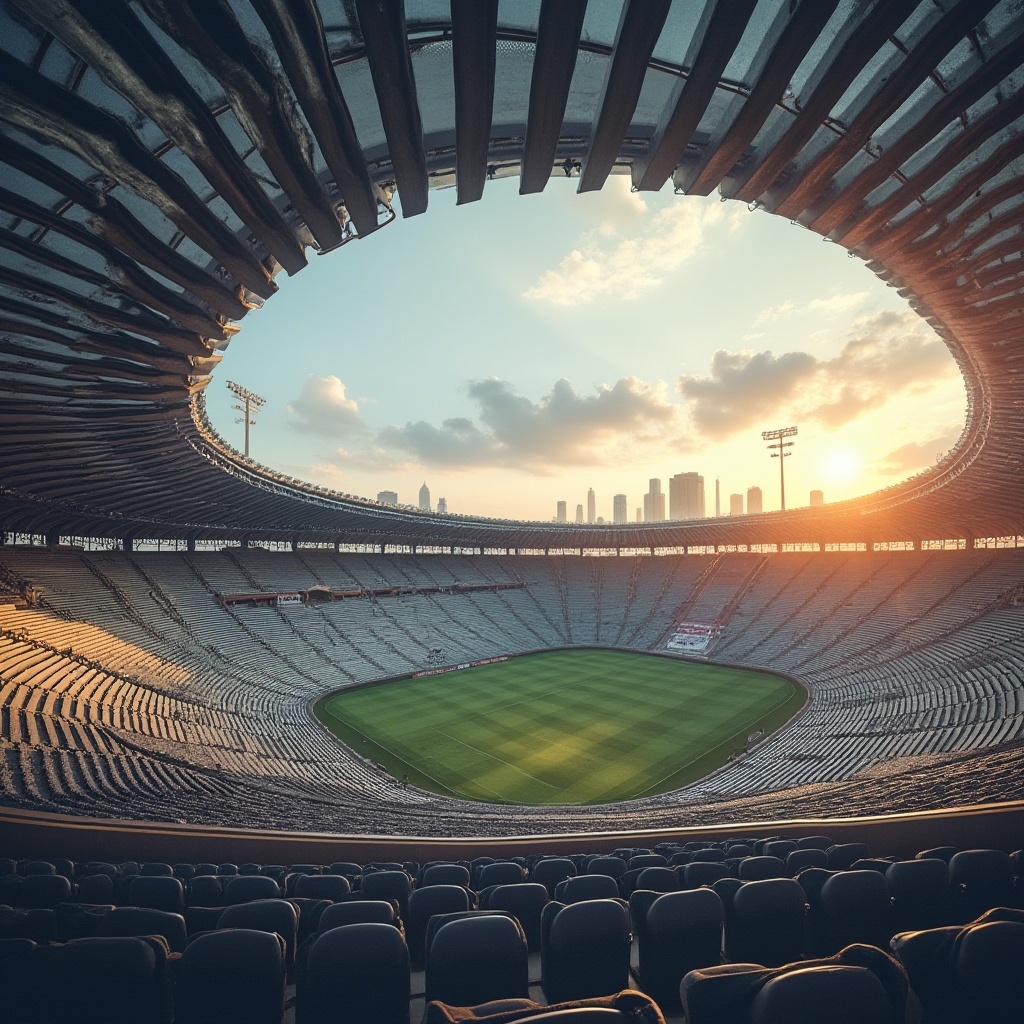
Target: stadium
[(171, 611)]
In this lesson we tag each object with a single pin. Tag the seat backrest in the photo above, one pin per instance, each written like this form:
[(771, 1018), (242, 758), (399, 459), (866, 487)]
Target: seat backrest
[(246, 888), (754, 869), (40, 892), (156, 868), (659, 879), (101, 980), (139, 921), (346, 867), (815, 843), (205, 891), (95, 889), (501, 872), (800, 859), (585, 949), (703, 872), (707, 854), (426, 903), (780, 848), (842, 856), (277, 916), (646, 860), (552, 870), (525, 901), (356, 972), (613, 866), (586, 887), (386, 885), (231, 976), (767, 922), (358, 912), (679, 932), (823, 995), (857, 908), (157, 892), (445, 874), (476, 959), (322, 887)]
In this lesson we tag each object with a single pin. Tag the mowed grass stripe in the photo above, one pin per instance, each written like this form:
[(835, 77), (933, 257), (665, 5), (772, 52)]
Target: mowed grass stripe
[(576, 726)]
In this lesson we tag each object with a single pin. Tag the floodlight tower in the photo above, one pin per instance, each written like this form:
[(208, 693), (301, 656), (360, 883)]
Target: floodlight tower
[(777, 437), (248, 404)]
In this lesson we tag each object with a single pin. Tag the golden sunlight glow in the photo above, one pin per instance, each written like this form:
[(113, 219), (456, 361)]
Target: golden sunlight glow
[(841, 465)]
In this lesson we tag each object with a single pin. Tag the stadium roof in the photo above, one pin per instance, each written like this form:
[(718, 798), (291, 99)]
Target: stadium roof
[(162, 161)]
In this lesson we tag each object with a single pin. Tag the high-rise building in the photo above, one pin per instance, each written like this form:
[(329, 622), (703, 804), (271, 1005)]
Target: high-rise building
[(718, 498), (686, 496), (388, 497), (560, 516), (817, 499), (639, 515), (579, 513), (442, 506), (619, 511), (425, 497), (591, 506), (735, 504), (755, 503), (654, 503)]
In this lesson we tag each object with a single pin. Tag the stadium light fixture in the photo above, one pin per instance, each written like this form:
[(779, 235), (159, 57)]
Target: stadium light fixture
[(248, 404), (777, 436)]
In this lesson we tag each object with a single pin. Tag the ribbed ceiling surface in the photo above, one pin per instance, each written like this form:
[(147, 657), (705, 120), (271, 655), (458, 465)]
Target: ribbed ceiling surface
[(162, 160)]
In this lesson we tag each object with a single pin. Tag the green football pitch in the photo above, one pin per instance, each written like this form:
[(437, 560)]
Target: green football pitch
[(561, 727)]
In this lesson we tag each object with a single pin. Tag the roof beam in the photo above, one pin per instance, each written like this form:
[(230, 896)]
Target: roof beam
[(797, 38), (114, 225), (387, 52), (41, 108), (885, 101), (690, 96), (474, 38), (558, 38), (261, 100), (298, 34), (863, 43), (888, 240), (962, 146), (950, 107), (114, 43), (640, 24)]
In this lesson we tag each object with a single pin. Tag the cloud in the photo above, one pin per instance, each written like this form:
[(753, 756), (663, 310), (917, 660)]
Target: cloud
[(562, 429), (886, 355), (909, 458), (834, 305), (323, 408), (609, 262)]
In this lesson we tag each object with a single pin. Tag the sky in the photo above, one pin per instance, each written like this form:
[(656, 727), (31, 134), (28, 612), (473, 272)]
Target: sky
[(517, 351)]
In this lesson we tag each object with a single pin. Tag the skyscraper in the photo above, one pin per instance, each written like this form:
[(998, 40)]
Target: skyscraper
[(425, 497), (654, 503), (686, 496), (619, 511), (718, 498), (442, 507), (591, 506), (754, 501), (735, 504), (579, 513), (560, 513), (388, 497), (817, 499)]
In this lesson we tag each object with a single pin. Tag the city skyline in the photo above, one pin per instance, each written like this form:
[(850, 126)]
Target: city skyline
[(553, 398)]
